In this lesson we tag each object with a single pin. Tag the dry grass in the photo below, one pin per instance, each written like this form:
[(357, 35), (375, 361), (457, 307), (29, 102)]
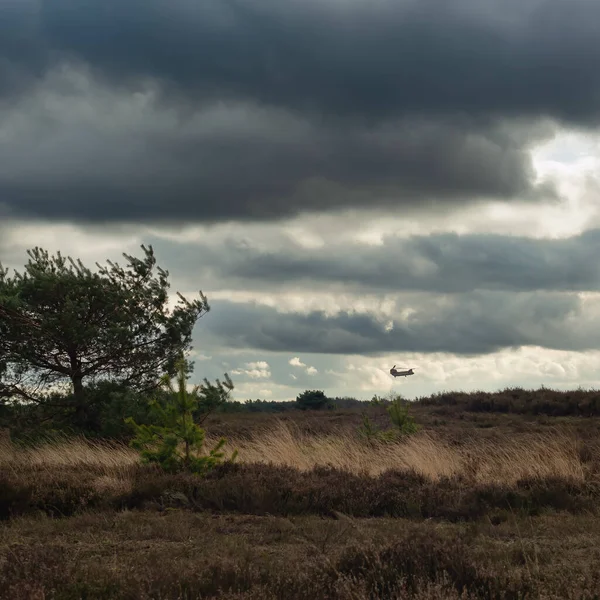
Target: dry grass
[(68, 453), (110, 466), (541, 455), (503, 461)]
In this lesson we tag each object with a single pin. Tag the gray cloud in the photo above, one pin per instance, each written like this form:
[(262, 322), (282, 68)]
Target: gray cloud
[(263, 110), (242, 162), (360, 59), (469, 324), (439, 263), (263, 259)]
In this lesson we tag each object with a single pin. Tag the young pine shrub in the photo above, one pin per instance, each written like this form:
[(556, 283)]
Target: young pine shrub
[(368, 430), (403, 422), (371, 433), (176, 443)]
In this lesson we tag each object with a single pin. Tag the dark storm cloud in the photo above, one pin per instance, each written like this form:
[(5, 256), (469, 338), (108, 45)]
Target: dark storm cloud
[(362, 58), (360, 104), (279, 168), (476, 323), (443, 263)]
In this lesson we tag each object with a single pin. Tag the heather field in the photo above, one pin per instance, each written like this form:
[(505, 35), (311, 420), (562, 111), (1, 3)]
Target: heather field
[(484, 501)]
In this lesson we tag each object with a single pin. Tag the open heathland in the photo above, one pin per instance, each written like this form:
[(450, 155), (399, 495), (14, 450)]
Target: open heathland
[(491, 498)]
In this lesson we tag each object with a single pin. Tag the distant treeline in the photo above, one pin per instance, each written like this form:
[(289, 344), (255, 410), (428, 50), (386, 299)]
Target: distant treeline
[(109, 404), (274, 406), (543, 401)]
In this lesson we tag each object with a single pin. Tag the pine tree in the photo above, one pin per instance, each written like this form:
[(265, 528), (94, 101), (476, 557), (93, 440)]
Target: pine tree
[(63, 326), (398, 412), (177, 443)]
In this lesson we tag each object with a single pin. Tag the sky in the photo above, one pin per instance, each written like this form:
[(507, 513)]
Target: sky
[(354, 184)]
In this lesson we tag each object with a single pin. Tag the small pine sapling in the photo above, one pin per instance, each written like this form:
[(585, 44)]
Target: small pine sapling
[(177, 443), (368, 430), (371, 433), (398, 412)]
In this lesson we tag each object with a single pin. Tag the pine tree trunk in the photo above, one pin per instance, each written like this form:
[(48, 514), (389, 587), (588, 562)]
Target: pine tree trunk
[(80, 404), (81, 409)]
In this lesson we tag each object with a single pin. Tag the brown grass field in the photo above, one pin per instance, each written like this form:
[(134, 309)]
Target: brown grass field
[(489, 504)]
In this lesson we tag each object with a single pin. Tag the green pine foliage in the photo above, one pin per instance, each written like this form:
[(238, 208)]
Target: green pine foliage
[(397, 409), (64, 327), (370, 432), (403, 422), (176, 443), (312, 400)]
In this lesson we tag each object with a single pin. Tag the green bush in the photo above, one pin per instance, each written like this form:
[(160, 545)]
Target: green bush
[(397, 409), (398, 412), (177, 442), (312, 400)]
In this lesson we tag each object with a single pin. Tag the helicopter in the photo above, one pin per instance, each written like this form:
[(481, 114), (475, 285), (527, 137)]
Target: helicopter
[(405, 373)]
